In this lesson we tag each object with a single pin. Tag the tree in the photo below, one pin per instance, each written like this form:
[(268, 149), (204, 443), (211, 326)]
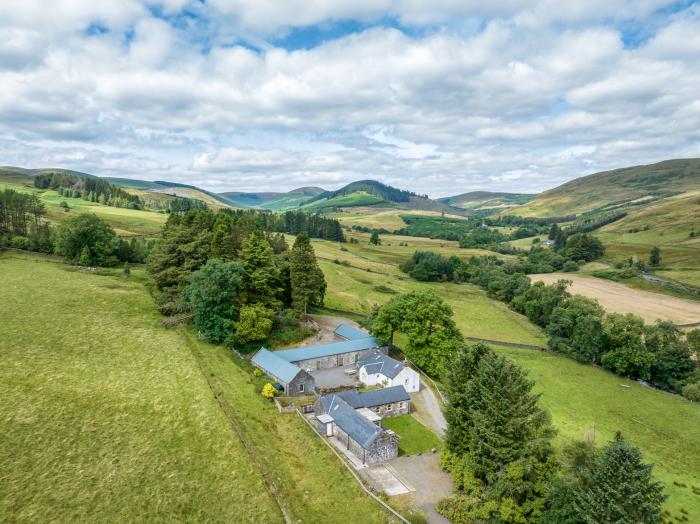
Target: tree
[(553, 231), (254, 324), (308, 282), (426, 320), (627, 355), (622, 488), (672, 355), (374, 239), (262, 273), (584, 247), (655, 257), (213, 294), (86, 239), (223, 242), (576, 329), (498, 438), (269, 391)]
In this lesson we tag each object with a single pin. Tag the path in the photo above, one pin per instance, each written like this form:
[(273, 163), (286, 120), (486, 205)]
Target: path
[(428, 410), (622, 299), (430, 482)]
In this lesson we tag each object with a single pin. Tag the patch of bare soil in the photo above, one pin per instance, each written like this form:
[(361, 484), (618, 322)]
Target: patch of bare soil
[(619, 298)]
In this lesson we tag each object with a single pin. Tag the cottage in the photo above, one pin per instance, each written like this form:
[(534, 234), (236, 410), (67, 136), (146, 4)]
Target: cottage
[(385, 402), (377, 368), (360, 433), (295, 380), (331, 355)]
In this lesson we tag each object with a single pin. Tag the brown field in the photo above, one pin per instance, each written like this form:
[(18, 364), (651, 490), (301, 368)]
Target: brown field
[(619, 298)]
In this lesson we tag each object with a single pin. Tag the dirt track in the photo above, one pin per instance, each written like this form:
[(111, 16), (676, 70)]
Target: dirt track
[(617, 297)]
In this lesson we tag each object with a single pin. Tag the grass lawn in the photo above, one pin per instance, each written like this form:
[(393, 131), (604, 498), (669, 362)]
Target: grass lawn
[(106, 416), (583, 398), (414, 437)]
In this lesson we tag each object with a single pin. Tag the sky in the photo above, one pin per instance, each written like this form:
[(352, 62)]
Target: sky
[(439, 97)]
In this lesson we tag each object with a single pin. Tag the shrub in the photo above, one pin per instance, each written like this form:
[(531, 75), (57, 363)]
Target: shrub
[(692, 392), (269, 391), (20, 242), (570, 266), (257, 372)]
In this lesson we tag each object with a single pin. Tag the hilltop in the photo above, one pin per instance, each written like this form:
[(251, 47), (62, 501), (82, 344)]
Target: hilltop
[(273, 201), (601, 192), (487, 201)]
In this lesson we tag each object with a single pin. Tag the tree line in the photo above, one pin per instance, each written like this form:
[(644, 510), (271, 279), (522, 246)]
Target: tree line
[(236, 278), (499, 448), (92, 189)]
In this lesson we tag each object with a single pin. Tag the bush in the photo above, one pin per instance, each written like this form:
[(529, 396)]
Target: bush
[(570, 266), (257, 372), (692, 392), (269, 391), (19, 242)]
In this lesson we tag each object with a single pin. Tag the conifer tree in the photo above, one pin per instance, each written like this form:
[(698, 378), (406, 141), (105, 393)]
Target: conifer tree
[(262, 272), (622, 488), (223, 244), (308, 283)]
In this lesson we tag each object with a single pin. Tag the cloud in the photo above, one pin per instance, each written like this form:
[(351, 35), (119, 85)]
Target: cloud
[(535, 96)]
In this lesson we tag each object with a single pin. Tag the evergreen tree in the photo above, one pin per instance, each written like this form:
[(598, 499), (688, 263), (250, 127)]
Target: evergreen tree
[(553, 232), (374, 239), (262, 273), (622, 488), (655, 256), (307, 280), (223, 244), (500, 438)]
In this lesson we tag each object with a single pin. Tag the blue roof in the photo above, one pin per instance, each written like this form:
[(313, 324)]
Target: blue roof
[(378, 362), (374, 398), (350, 333), (351, 422), (274, 366), (326, 350)]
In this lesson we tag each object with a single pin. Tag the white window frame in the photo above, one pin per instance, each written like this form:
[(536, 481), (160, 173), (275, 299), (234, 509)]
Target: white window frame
[(301, 387)]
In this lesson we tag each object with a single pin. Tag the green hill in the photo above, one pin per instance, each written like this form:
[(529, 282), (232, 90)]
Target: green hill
[(373, 193), (629, 186), (272, 200), (487, 201)]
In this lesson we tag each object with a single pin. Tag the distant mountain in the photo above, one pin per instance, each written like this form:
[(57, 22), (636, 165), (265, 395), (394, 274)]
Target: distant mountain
[(41, 171), (487, 200), (608, 190), (373, 193), (272, 200)]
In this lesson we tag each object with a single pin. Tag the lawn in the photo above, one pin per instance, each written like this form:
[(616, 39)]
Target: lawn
[(587, 400), (107, 416), (414, 437)]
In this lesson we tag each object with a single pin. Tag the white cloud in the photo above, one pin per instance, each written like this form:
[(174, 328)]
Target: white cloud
[(522, 104)]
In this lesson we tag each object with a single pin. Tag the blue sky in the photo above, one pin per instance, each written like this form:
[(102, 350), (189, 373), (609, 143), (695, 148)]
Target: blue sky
[(438, 97)]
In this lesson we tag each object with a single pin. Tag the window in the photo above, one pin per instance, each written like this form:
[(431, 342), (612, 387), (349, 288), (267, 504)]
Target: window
[(389, 407), (405, 381), (402, 405), (301, 388)]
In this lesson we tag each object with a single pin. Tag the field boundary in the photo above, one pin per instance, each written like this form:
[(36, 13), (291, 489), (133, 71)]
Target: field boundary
[(229, 413), (349, 468), (506, 344)]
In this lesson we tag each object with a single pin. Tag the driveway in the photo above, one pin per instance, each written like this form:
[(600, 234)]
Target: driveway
[(430, 482), (333, 377), (428, 410)]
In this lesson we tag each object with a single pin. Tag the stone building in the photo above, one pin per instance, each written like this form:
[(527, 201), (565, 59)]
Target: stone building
[(385, 402), (331, 355), (359, 431), (294, 380)]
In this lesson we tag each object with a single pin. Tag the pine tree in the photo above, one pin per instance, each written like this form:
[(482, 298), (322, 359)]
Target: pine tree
[(261, 271), (308, 283), (222, 241), (655, 256), (622, 488)]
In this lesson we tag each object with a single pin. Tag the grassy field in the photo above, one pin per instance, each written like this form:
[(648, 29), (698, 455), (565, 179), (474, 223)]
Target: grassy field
[(126, 222), (106, 416), (376, 217), (414, 437), (356, 289), (584, 399)]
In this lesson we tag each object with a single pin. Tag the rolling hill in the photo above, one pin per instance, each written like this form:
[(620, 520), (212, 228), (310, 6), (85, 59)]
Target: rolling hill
[(272, 200), (487, 201), (629, 186)]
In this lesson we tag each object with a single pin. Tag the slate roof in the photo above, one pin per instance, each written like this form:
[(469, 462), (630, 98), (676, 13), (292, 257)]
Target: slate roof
[(351, 422), (377, 362), (277, 367), (350, 333), (326, 350), (374, 398)]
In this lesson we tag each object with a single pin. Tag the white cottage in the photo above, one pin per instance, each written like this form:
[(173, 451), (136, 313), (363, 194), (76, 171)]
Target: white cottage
[(377, 369)]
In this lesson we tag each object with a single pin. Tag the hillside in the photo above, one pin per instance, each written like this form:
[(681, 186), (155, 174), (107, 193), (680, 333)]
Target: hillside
[(373, 193), (272, 200), (629, 186), (487, 201)]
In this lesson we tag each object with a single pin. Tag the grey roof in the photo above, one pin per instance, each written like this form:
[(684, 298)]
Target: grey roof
[(277, 367), (326, 350), (377, 362), (351, 422), (350, 333), (374, 398)]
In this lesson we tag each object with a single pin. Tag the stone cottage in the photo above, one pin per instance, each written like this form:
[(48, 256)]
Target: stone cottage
[(294, 380)]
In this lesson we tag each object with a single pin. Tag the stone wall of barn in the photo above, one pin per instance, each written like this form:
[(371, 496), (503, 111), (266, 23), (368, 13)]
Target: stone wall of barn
[(333, 361), (393, 409), (294, 389), (386, 447)]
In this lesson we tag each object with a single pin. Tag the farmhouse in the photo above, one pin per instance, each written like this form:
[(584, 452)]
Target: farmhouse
[(295, 381), (359, 431), (377, 368), (385, 402)]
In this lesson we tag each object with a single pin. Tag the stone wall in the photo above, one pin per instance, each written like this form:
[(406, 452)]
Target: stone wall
[(397, 408), (333, 361), (386, 447), (303, 378)]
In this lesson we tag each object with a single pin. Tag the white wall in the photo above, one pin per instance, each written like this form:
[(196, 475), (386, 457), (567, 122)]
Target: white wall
[(409, 379)]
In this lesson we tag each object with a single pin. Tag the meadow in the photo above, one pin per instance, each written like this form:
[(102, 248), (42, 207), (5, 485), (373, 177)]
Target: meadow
[(414, 437), (107, 416), (126, 222), (586, 400)]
